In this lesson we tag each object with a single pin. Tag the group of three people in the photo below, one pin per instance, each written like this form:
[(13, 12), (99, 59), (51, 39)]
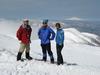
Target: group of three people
[(45, 34)]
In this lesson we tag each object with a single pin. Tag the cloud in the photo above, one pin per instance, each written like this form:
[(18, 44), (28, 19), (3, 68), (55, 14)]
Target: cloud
[(74, 18)]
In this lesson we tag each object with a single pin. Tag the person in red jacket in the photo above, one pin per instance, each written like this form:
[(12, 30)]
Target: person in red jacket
[(23, 35)]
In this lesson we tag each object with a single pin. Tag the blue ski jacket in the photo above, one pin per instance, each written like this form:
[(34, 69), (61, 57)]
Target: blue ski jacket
[(46, 34), (59, 36)]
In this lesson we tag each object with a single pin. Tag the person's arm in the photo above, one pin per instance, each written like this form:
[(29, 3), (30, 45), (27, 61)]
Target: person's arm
[(18, 34), (39, 33), (62, 34), (30, 34), (53, 34)]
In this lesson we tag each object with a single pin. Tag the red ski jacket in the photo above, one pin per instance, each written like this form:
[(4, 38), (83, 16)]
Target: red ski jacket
[(24, 34)]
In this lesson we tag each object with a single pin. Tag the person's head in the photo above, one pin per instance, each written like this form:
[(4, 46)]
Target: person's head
[(45, 23), (57, 25), (26, 22)]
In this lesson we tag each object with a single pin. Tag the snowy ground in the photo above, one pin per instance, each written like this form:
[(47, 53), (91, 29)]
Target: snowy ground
[(81, 54)]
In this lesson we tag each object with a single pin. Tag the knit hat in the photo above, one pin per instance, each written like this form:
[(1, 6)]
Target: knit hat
[(45, 21), (26, 20)]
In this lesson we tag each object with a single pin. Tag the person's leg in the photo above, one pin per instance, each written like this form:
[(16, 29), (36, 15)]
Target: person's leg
[(44, 52), (19, 56), (28, 52), (21, 50), (59, 55), (48, 47)]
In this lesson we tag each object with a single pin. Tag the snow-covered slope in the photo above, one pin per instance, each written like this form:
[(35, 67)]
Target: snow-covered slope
[(83, 59), (74, 36)]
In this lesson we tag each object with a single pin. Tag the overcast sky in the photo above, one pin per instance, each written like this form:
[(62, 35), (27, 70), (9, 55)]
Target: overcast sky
[(51, 9)]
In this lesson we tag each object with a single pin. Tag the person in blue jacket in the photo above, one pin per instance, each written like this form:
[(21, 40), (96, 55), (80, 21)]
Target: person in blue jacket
[(46, 34), (59, 43)]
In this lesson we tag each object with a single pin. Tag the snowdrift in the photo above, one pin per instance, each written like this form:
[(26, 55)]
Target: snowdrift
[(82, 49), (74, 36), (77, 50)]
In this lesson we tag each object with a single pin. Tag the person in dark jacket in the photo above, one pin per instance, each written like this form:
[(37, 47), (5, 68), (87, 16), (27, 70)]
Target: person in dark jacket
[(46, 34), (59, 43), (23, 35)]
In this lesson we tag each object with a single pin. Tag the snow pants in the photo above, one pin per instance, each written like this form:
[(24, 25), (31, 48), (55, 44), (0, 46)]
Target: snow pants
[(24, 47), (59, 55), (47, 48)]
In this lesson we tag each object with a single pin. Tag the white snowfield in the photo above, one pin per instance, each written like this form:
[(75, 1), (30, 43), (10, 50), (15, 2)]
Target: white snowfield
[(81, 55)]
